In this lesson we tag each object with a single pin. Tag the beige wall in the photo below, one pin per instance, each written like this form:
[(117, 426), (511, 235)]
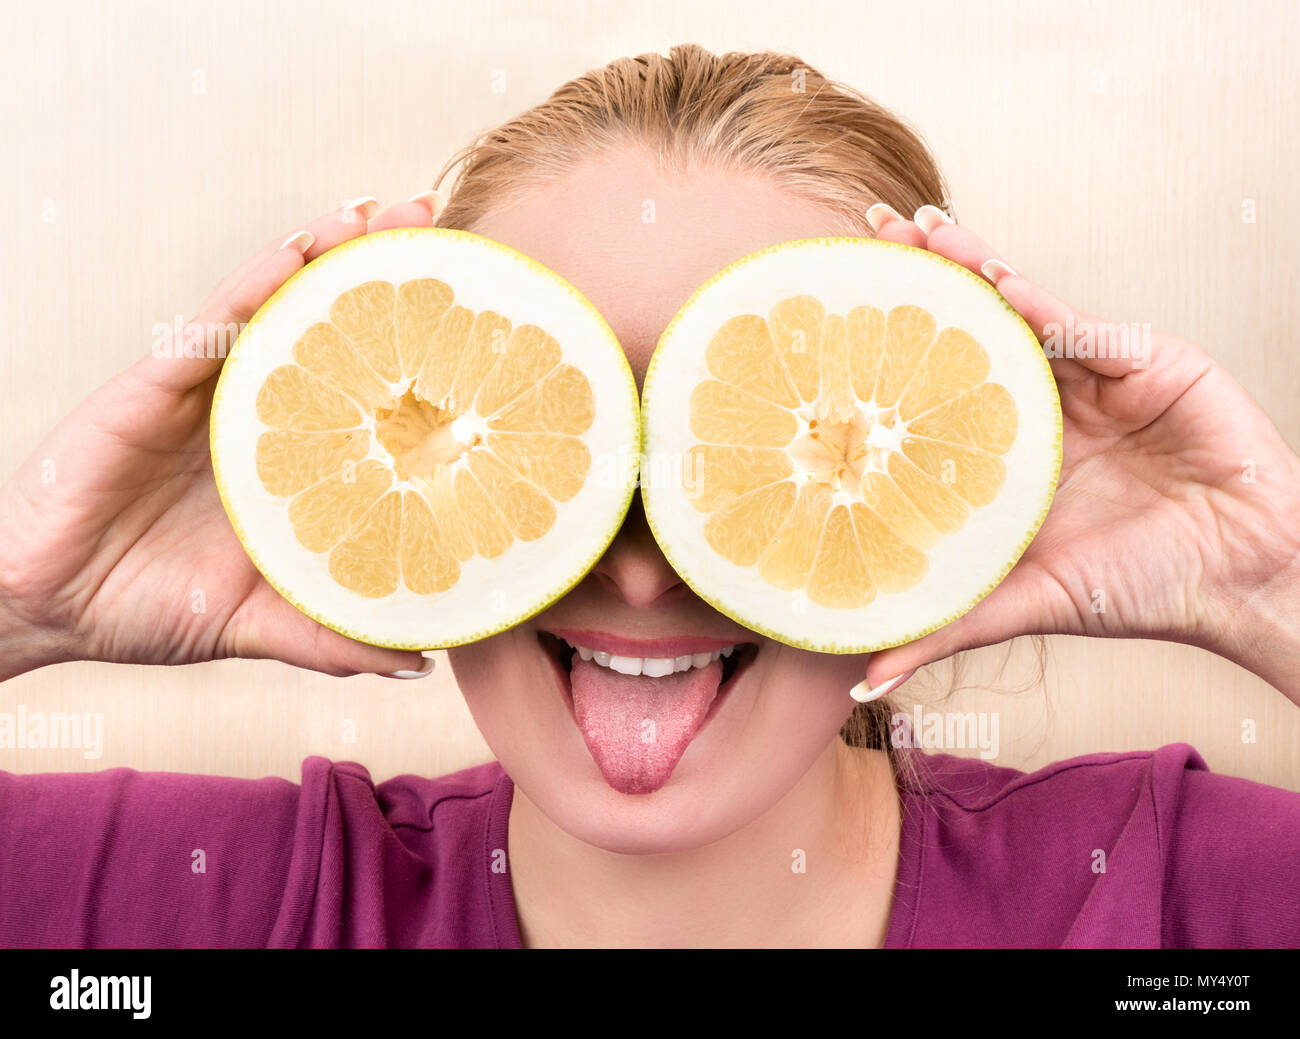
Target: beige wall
[(1108, 152)]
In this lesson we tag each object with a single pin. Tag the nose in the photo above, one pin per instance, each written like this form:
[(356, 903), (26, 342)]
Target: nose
[(634, 568)]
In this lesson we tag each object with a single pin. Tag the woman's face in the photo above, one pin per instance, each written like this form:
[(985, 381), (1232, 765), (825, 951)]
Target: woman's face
[(650, 764)]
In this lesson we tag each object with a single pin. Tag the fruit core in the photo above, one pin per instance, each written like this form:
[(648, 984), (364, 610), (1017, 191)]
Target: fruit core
[(838, 454), (421, 436)]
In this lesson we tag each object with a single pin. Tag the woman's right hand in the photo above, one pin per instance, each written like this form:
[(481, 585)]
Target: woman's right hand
[(1177, 515), (113, 541)]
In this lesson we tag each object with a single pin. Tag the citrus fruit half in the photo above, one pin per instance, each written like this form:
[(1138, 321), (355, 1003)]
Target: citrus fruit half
[(847, 443), (425, 437)]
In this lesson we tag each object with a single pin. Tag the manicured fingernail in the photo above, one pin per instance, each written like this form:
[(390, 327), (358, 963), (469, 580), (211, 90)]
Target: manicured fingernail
[(425, 669), (863, 693), (363, 208), (880, 214), (927, 218), (299, 240), (995, 270), (435, 200)]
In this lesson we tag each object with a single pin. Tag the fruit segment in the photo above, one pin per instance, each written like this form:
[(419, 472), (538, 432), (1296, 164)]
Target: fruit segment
[(560, 403), (367, 561), (833, 451), (726, 414), (330, 356), (795, 325), (840, 578), (743, 530), (367, 315), (421, 305), (743, 353), (412, 434), (716, 476), (292, 398), (292, 462), (428, 567), (788, 559)]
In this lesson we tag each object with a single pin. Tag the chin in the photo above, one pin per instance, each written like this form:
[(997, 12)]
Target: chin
[(752, 719)]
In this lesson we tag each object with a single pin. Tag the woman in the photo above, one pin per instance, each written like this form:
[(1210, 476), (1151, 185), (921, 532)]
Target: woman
[(788, 820)]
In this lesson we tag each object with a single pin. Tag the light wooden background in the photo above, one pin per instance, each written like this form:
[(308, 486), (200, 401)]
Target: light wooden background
[(1114, 151)]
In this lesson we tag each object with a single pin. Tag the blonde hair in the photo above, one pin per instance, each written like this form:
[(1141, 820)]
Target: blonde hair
[(757, 113), (762, 112)]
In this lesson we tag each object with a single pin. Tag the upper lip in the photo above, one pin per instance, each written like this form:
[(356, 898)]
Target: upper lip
[(657, 648)]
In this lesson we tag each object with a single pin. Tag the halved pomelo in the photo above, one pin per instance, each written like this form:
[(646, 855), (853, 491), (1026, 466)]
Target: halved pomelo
[(425, 437), (847, 443)]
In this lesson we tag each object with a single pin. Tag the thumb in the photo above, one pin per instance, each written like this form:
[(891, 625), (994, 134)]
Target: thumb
[(1006, 612), (271, 627), (1097, 346), (179, 362)]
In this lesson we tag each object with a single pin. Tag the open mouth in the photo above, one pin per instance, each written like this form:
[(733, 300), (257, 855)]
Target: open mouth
[(638, 713)]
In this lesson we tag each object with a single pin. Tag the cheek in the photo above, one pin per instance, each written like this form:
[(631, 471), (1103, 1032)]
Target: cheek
[(803, 705), (815, 684), (511, 692), (500, 682)]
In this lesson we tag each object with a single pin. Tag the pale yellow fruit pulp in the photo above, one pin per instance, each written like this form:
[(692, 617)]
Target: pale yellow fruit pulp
[(835, 450), (334, 409)]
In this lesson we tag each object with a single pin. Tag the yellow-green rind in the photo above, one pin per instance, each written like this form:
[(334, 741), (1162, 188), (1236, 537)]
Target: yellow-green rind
[(513, 619), (810, 643)]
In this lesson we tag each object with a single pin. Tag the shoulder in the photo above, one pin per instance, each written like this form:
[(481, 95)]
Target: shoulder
[(411, 861), (1100, 781), (127, 858), (449, 804), (1104, 849)]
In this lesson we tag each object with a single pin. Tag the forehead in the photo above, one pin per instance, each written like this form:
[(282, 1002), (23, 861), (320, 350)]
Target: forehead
[(638, 244)]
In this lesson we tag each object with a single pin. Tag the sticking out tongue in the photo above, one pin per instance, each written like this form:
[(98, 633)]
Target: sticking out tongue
[(638, 728)]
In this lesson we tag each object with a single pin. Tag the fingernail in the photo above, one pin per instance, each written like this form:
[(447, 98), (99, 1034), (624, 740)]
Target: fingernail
[(435, 200), (927, 218), (995, 270), (865, 694), (299, 240), (880, 214), (425, 669), (364, 207)]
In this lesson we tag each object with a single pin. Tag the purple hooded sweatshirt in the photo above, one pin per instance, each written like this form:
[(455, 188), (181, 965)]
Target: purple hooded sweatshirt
[(1133, 850)]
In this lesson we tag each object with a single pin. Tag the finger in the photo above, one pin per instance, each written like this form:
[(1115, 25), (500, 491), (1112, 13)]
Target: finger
[(891, 227), (349, 221), (420, 211), (1101, 347), (205, 341), (178, 363), (1010, 610), (269, 627), (354, 217), (327, 231), (953, 241)]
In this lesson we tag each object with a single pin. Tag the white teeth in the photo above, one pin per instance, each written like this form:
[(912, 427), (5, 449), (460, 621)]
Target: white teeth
[(652, 667), (626, 665)]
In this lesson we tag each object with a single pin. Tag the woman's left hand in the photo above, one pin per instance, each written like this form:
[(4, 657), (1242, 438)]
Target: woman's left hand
[(1177, 515)]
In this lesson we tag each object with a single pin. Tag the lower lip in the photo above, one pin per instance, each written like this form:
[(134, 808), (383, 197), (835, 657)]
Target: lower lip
[(566, 687)]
